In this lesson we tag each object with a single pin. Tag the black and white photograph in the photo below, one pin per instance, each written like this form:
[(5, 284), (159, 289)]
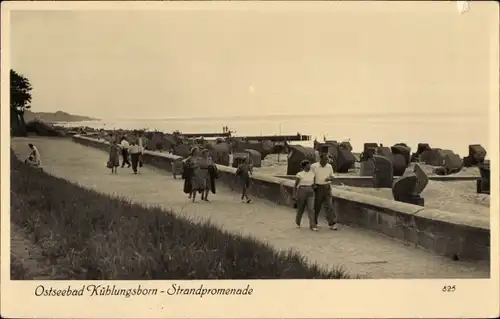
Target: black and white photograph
[(227, 153)]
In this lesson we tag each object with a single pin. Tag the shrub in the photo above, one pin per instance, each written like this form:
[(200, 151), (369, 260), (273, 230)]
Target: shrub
[(43, 129), (88, 235)]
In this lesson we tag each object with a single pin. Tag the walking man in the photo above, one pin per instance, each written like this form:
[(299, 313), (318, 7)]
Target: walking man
[(135, 153), (125, 146), (323, 175)]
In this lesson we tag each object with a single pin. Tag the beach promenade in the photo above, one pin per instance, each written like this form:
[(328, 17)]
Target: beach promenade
[(359, 251)]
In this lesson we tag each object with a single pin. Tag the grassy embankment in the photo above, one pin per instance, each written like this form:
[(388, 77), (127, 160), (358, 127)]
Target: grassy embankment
[(86, 235)]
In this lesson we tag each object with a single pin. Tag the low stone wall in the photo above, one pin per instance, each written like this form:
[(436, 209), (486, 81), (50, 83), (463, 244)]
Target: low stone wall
[(444, 233), (367, 181)]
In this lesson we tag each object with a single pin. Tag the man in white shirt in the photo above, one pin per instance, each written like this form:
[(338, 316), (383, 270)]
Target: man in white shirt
[(135, 153), (323, 175), (125, 146)]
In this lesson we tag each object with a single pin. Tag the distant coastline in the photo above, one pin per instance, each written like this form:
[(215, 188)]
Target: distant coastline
[(55, 117)]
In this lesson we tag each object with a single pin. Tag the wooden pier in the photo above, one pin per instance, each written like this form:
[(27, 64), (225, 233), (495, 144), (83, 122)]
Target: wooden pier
[(204, 135), (278, 138), (272, 138)]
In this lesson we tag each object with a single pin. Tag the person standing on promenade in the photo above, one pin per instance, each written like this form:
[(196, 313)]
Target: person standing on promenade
[(187, 175), (141, 147), (323, 175), (177, 167), (197, 176), (303, 194), (125, 146), (244, 172), (206, 169), (135, 153), (114, 156)]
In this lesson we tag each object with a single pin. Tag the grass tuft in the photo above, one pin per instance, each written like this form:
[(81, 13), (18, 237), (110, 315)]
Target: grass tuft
[(17, 270)]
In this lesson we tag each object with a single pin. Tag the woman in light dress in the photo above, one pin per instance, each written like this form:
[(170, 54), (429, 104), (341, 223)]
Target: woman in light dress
[(114, 156), (197, 180), (200, 174), (206, 164)]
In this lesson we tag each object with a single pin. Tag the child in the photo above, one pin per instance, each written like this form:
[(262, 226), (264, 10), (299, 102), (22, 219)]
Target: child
[(177, 167), (244, 172)]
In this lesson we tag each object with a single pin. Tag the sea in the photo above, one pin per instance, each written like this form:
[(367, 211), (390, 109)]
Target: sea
[(447, 131)]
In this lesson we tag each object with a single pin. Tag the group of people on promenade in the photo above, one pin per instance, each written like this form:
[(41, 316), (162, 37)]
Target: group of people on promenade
[(200, 174), (131, 152), (311, 191)]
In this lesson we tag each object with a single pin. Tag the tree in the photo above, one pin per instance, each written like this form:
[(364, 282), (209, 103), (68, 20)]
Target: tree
[(20, 98)]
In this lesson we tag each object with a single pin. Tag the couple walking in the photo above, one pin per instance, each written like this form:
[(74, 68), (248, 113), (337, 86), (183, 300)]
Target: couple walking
[(312, 191), (133, 150), (199, 174)]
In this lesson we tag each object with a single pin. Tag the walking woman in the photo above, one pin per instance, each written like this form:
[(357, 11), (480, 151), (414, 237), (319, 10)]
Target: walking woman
[(209, 175), (187, 175), (114, 156), (303, 194), (197, 176), (244, 172)]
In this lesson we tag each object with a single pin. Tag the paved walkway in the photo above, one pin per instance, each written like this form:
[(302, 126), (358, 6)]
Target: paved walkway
[(359, 251)]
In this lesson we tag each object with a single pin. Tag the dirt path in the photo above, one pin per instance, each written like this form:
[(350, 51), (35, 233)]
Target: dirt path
[(359, 251)]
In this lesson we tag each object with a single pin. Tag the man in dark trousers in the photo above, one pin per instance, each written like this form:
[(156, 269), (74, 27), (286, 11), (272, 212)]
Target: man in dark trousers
[(323, 175), (135, 153), (125, 146)]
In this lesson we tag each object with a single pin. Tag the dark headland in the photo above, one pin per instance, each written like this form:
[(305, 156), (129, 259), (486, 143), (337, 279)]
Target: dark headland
[(52, 117)]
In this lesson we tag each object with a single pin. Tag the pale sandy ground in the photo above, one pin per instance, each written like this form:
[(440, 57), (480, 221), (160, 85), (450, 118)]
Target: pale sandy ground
[(457, 197), (359, 251)]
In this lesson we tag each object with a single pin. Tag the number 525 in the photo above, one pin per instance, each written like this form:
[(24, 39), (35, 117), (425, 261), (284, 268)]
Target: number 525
[(448, 288)]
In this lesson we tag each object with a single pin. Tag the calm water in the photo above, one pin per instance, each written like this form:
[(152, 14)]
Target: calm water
[(454, 132)]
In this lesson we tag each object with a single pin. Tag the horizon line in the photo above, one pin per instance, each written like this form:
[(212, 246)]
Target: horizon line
[(290, 115)]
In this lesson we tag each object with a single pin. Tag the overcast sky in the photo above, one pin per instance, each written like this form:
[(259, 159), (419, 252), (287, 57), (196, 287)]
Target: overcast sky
[(345, 57)]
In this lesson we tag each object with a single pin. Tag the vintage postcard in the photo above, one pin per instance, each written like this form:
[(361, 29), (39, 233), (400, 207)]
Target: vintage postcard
[(246, 159)]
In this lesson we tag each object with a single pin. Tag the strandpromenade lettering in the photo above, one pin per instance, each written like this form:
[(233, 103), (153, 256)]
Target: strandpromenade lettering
[(114, 290), (201, 291)]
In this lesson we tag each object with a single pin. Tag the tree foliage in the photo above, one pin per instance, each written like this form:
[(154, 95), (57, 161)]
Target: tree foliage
[(20, 91), (20, 99)]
